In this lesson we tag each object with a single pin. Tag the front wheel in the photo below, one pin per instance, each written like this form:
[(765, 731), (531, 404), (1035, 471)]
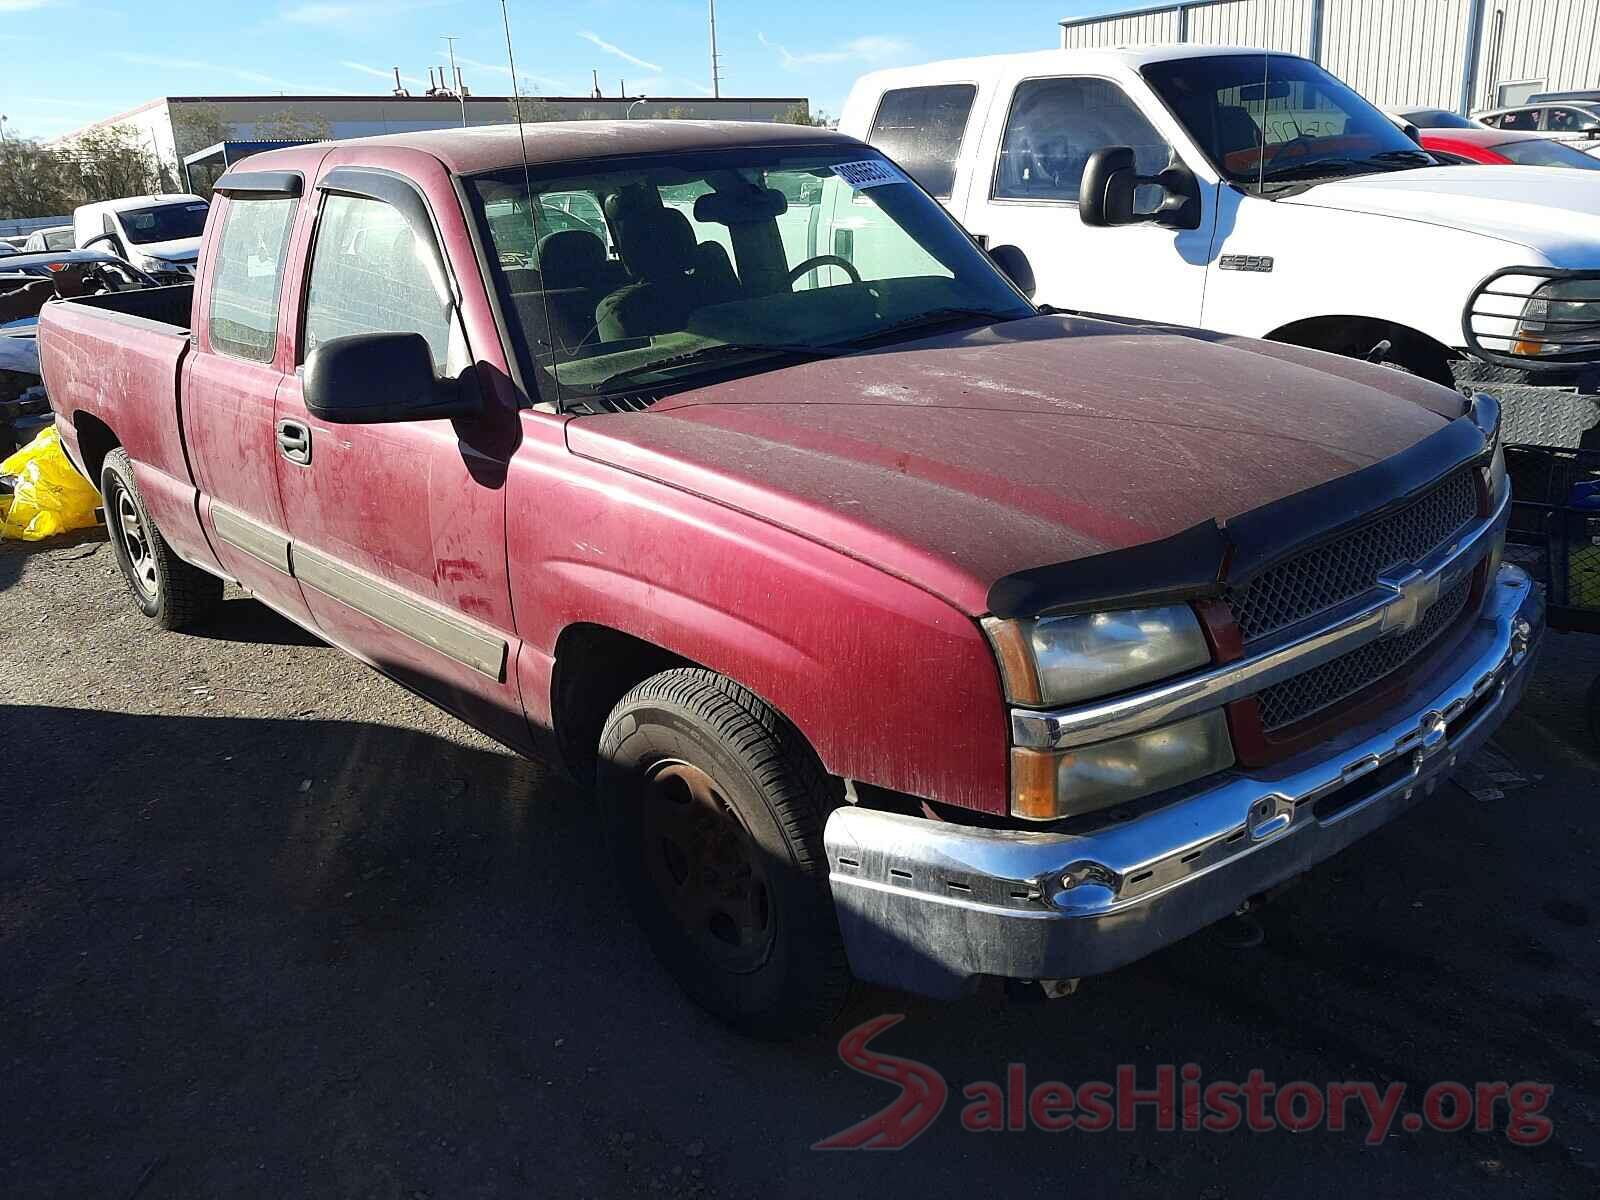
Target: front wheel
[(719, 808), (167, 590)]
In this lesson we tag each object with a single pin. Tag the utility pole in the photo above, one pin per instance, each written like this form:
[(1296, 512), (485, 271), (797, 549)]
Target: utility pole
[(455, 75), (716, 69)]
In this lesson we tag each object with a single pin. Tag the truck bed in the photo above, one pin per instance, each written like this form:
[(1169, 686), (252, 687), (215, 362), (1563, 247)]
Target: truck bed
[(114, 363)]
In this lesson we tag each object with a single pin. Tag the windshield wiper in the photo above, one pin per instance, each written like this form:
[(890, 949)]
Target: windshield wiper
[(933, 317), (1327, 168), (706, 354)]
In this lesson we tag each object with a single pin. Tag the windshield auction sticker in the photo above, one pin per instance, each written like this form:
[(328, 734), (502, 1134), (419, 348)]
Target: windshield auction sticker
[(869, 173)]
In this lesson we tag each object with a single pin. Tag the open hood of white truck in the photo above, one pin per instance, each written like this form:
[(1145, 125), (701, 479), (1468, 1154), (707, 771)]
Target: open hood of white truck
[(1554, 211)]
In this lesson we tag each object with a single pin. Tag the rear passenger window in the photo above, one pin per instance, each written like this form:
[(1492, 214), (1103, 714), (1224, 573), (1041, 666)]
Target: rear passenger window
[(1056, 124), (245, 282), (370, 274), (921, 128)]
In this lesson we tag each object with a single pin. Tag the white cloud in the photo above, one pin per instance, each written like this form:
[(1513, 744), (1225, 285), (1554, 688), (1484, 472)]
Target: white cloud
[(200, 66), (380, 74), (617, 50), (9, 6), (525, 82), (873, 48)]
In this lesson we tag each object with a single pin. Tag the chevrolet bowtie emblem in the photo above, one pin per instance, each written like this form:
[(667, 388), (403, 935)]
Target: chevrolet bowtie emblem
[(1416, 593)]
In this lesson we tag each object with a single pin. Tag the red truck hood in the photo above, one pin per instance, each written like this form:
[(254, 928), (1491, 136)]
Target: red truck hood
[(956, 460)]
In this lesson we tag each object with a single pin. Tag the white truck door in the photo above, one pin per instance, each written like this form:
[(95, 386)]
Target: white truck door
[(1035, 148)]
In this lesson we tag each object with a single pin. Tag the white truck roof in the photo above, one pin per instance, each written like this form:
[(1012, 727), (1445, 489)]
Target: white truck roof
[(123, 203), (1032, 62)]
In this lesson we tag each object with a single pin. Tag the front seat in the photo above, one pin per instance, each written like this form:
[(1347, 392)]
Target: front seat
[(1237, 131), (575, 274), (658, 247)]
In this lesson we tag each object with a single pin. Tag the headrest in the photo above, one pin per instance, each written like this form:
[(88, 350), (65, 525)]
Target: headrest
[(571, 258), (655, 241), (1237, 129)]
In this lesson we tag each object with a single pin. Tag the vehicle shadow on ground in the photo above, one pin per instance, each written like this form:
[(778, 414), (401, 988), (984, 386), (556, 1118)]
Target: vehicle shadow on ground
[(275, 957), (246, 619)]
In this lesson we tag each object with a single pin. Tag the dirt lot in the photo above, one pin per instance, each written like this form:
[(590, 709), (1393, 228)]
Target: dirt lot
[(271, 926)]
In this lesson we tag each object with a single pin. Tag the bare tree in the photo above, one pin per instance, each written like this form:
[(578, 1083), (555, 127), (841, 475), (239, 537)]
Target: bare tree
[(32, 182), (286, 125)]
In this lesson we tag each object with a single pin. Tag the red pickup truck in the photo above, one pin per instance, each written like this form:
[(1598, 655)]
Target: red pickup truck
[(906, 630)]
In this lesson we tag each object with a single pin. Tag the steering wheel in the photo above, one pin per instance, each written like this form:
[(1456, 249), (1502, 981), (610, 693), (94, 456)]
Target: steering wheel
[(824, 260)]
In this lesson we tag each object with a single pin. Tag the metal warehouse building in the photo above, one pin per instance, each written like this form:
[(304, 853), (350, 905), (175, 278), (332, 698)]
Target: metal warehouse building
[(1464, 55)]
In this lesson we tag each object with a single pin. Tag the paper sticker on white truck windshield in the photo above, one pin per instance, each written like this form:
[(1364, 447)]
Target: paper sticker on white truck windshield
[(869, 173)]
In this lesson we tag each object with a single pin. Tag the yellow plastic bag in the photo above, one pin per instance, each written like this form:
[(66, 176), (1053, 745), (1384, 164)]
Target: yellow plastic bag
[(50, 497)]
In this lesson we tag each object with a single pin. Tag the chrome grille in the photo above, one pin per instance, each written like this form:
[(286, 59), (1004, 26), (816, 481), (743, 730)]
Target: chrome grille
[(1296, 699), (1346, 566)]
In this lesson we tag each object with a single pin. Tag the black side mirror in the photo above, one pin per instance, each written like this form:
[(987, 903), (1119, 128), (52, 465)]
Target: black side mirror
[(1014, 265), (373, 378), (1111, 181)]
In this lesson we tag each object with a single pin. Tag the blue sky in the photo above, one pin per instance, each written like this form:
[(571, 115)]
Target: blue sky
[(69, 62)]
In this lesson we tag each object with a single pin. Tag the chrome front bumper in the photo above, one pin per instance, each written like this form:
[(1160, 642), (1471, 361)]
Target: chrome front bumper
[(930, 906)]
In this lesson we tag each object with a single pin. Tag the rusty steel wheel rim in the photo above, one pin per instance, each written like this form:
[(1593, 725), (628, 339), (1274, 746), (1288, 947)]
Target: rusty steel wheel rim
[(706, 868)]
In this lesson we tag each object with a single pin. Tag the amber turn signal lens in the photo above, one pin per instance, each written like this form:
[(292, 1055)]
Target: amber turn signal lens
[(1033, 785), (1017, 670)]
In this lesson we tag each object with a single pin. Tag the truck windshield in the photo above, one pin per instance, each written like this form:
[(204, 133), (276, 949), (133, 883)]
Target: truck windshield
[(164, 223), (651, 273), (1272, 122)]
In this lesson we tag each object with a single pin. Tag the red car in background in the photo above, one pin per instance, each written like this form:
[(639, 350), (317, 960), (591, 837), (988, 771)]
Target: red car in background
[(1505, 146)]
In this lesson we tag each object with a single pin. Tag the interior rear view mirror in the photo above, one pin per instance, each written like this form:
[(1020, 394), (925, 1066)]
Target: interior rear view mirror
[(742, 206), (1254, 93), (1111, 183)]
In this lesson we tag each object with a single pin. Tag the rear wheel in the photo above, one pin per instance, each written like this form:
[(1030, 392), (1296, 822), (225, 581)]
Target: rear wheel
[(167, 590), (719, 807)]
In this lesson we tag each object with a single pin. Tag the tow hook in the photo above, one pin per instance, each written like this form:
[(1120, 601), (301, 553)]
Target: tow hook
[(1037, 991), (1379, 354)]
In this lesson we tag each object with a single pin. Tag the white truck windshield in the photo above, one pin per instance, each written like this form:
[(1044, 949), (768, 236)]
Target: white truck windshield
[(1270, 121)]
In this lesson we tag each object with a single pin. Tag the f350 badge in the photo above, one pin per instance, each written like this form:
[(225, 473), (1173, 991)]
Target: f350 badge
[(1245, 262)]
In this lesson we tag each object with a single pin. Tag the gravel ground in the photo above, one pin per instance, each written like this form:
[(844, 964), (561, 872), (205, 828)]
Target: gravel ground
[(271, 926)]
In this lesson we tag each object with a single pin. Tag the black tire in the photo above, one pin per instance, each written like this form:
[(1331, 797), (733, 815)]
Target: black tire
[(681, 751), (168, 590)]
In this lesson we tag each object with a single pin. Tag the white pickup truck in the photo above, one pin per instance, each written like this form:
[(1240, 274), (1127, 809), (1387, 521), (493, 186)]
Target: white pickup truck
[(1254, 194)]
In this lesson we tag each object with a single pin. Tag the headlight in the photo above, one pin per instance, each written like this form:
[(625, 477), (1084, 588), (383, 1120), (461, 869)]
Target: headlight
[(1083, 656), (1050, 784), (1562, 318)]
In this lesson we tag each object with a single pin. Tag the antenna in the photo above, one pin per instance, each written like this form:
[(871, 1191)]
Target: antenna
[(1261, 150), (533, 207), (455, 74), (716, 69)]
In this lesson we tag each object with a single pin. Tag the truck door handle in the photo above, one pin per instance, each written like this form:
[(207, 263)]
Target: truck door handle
[(294, 441)]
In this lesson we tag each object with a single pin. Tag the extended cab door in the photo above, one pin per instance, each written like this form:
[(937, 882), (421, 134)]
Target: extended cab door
[(230, 387), (398, 528), (1036, 146)]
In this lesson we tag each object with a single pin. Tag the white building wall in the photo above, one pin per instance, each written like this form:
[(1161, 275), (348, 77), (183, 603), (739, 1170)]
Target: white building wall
[(1159, 25), (1277, 24), (1407, 55), (1552, 45), (1397, 53)]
